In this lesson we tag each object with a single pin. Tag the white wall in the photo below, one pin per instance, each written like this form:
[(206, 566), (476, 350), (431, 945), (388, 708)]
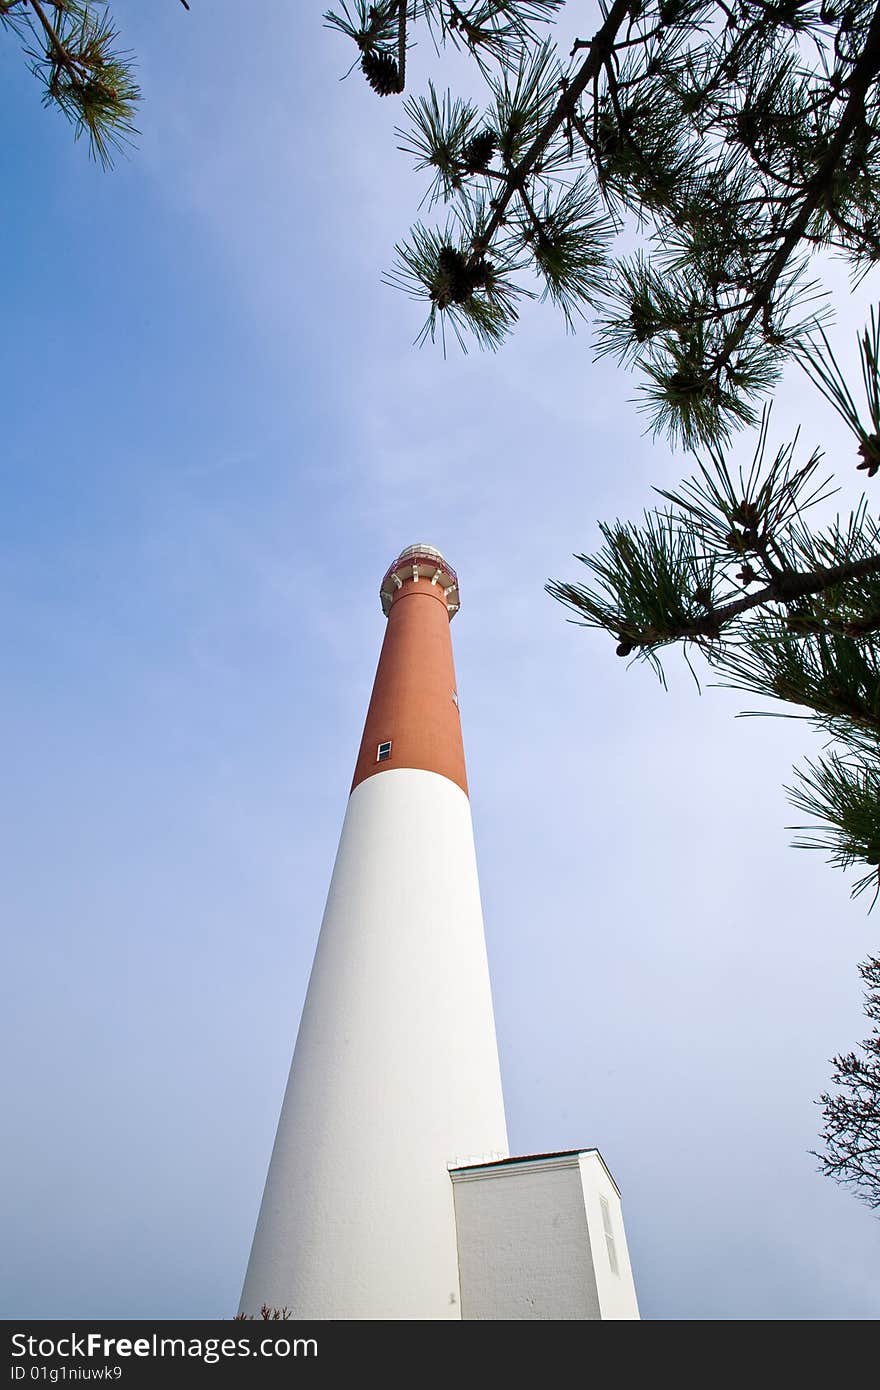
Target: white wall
[(532, 1244), (617, 1294), (395, 1073)]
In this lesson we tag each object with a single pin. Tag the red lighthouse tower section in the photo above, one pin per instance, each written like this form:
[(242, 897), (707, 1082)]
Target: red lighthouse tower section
[(413, 719)]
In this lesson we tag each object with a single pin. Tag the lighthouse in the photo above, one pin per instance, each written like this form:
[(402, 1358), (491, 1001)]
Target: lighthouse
[(390, 1192)]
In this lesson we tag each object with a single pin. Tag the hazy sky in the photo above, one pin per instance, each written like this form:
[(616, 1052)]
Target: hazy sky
[(216, 435)]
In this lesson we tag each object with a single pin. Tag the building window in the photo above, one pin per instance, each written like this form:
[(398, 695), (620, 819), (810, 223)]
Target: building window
[(609, 1235), (383, 753)]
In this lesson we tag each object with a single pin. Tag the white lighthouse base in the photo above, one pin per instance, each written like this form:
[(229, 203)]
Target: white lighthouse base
[(542, 1238), (395, 1076)]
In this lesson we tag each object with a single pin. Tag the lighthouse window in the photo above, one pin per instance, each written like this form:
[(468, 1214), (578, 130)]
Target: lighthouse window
[(383, 752)]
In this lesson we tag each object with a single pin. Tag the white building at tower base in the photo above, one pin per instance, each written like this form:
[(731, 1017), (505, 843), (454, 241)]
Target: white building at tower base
[(541, 1237)]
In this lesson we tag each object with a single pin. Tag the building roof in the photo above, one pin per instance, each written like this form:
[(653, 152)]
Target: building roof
[(532, 1158)]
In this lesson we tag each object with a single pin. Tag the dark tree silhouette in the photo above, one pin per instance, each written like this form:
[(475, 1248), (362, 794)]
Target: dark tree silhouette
[(851, 1135)]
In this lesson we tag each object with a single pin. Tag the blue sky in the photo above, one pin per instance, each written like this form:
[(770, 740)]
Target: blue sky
[(217, 434)]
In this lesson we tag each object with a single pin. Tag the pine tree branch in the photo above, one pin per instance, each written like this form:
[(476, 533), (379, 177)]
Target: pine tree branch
[(66, 59), (709, 122), (601, 46), (787, 587), (864, 73)]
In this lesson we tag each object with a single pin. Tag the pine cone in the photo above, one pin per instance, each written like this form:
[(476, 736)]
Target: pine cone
[(458, 277), (643, 325), (382, 72), (746, 514), (610, 142), (477, 153), (870, 452), (747, 127), (687, 383)]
